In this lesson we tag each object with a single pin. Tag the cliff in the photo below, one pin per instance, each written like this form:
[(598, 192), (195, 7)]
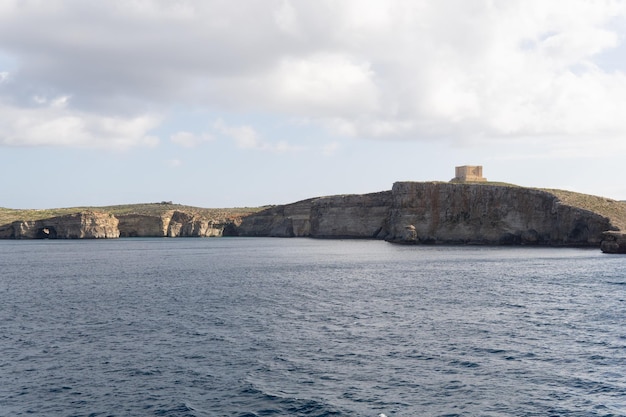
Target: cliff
[(448, 213), (342, 216), (174, 223), (411, 213), (491, 214), (82, 225), (140, 220)]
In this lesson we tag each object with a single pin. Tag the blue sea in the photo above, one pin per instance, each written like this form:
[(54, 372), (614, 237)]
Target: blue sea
[(302, 327)]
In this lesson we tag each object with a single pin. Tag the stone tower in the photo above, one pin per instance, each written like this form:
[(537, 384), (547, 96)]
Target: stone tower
[(469, 173)]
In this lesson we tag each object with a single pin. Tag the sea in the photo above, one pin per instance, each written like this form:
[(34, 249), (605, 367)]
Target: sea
[(254, 327)]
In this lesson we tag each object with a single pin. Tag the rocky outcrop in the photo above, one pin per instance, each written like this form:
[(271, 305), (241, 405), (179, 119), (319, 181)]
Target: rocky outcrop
[(342, 216), (290, 220), (183, 224), (351, 216), (92, 225), (613, 242), (175, 223), (142, 225), (489, 214), (83, 225), (436, 212), (411, 213)]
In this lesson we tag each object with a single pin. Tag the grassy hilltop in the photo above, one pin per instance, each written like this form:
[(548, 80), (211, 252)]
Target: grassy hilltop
[(8, 215), (613, 209)]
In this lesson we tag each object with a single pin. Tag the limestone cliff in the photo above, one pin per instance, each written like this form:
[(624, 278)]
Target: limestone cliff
[(142, 225), (435, 212), (174, 223), (342, 216), (83, 225), (490, 214), (142, 220), (412, 212)]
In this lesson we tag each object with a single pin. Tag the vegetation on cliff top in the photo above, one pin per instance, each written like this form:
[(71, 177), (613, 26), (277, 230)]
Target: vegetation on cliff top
[(150, 209), (612, 209)]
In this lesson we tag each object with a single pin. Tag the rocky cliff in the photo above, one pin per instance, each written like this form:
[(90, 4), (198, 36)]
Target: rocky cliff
[(490, 214), (342, 216), (613, 242), (411, 213), (435, 212), (174, 223), (147, 220), (82, 225)]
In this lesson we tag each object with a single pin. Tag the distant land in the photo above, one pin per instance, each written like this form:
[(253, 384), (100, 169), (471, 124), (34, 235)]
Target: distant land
[(456, 212)]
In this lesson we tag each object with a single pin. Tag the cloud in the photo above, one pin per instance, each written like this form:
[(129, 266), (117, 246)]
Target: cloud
[(454, 69), (245, 137), (330, 149), (52, 123), (323, 84), (286, 18), (174, 163), (190, 140)]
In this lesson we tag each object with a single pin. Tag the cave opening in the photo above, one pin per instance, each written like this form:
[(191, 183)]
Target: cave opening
[(48, 232)]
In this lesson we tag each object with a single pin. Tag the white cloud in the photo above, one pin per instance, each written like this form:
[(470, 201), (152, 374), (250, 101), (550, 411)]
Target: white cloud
[(174, 163), (60, 102), (56, 125), (190, 140), (412, 69), (245, 137), (323, 84), (330, 148), (286, 18)]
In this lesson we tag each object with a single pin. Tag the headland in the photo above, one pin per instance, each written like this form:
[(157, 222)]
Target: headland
[(466, 210)]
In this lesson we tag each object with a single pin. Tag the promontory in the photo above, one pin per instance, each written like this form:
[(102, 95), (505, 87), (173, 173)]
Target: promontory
[(456, 212)]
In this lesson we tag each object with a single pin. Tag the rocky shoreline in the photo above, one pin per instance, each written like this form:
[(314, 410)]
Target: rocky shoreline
[(446, 213), (410, 213), (96, 224)]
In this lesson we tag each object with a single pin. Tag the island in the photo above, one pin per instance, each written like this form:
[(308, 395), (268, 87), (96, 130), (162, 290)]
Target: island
[(466, 210)]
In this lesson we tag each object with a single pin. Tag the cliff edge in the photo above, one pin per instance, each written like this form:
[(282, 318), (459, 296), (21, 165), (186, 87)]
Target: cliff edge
[(447, 213), (496, 214), (135, 220), (410, 213), (81, 225)]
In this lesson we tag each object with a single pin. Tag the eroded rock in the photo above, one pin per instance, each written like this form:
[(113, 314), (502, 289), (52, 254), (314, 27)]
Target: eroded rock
[(83, 225), (613, 242)]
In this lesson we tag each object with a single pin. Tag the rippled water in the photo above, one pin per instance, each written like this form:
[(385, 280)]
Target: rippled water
[(299, 327)]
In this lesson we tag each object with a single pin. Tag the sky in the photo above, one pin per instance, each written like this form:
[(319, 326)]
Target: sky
[(219, 103)]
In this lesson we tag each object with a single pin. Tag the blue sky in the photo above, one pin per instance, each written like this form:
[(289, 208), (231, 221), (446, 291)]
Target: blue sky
[(221, 104)]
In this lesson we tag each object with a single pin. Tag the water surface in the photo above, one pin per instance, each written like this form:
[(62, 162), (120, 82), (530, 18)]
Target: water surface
[(301, 327)]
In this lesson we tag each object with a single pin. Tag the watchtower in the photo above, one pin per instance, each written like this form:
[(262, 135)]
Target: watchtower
[(469, 173)]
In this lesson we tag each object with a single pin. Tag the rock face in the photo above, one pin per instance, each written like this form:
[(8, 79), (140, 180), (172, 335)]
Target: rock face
[(84, 225), (93, 224), (613, 242), (141, 225), (489, 214), (433, 212), (342, 216), (411, 213), (173, 224)]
